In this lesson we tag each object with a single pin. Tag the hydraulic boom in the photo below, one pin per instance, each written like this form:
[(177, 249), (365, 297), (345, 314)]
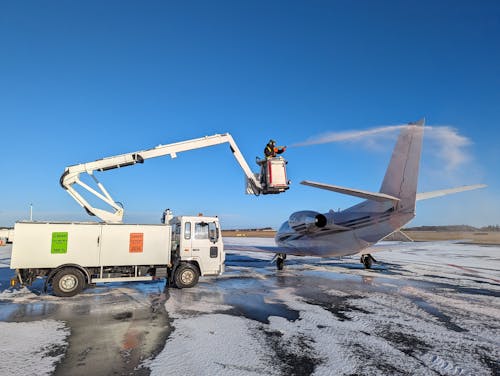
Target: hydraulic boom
[(271, 180)]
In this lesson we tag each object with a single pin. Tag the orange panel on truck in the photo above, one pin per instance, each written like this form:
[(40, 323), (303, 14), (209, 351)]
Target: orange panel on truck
[(136, 242)]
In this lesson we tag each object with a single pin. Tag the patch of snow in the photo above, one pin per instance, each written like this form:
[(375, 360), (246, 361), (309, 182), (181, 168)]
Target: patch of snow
[(267, 242), (399, 329), (408, 327), (5, 252), (213, 344), (31, 348), (18, 294)]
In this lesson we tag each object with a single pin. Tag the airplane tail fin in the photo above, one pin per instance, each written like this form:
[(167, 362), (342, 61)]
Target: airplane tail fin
[(399, 187), (401, 177), (400, 182)]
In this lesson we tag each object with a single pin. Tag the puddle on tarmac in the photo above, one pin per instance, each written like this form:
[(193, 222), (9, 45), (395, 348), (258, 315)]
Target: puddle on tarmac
[(254, 307), (113, 329), (246, 261)]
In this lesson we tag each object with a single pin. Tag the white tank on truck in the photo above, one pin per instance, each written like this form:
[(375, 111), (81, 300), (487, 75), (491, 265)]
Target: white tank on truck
[(75, 255)]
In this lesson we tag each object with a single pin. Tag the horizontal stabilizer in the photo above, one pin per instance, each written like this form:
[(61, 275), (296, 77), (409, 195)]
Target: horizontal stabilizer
[(398, 236), (444, 192), (380, 197)]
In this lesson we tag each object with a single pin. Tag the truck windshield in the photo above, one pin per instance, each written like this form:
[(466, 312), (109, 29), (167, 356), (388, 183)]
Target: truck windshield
[(201, 230)]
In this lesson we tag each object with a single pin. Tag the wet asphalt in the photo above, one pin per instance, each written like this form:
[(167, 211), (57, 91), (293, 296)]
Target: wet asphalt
[(116, 327)]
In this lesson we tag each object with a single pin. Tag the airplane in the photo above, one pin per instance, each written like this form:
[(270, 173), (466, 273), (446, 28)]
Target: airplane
[(356, 229)]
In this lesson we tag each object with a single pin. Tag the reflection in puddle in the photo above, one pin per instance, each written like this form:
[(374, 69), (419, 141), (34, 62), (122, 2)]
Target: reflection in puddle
[(253, 306), (113, 330), (7, 310)]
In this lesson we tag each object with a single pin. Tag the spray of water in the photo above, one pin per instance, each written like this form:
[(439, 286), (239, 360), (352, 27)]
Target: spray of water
[(347, 135), (445, 141)]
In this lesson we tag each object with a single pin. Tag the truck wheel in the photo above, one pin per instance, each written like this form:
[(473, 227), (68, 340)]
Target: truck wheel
[(186, 275), (68, 282)]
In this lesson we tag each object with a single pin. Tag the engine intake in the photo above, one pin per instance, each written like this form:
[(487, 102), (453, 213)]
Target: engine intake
[(307, 221)]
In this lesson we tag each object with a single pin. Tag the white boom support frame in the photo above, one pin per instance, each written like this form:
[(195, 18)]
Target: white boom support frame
[(71, 174)]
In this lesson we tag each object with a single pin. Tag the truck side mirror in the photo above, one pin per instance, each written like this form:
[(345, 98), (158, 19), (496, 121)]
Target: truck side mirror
[(213, 232)]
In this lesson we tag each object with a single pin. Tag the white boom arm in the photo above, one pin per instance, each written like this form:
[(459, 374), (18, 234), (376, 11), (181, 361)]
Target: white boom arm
[(71, 174)]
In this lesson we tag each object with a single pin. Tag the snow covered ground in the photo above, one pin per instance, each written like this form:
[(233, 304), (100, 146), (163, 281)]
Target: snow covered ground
[(31, 348), (425, 309), (5, 256), (429, 308), (26, 348)]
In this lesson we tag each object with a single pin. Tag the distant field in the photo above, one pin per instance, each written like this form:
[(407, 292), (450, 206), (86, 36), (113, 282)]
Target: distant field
[(472, 237), (249, 234)]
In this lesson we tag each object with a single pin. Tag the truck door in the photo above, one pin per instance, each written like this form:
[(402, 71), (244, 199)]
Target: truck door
[(205, 247), (185, 237)]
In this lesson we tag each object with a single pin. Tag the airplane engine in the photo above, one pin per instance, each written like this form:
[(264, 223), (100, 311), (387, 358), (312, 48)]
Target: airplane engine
[(307, 221)]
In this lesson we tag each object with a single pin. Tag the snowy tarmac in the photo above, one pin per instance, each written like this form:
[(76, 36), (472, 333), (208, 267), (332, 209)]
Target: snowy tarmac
[(425, 309)]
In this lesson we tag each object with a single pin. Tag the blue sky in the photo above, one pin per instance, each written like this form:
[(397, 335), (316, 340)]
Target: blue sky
[(85, 80)]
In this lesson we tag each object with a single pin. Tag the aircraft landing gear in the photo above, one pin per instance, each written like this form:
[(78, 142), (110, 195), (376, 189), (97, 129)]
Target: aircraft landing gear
[(280, 260), (367, 260)]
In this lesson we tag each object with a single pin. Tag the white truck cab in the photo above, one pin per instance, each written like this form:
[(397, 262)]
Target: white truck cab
[(197, 240)]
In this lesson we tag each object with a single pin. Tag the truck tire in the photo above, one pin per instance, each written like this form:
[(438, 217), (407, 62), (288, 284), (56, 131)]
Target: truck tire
[(186, 275), (68, 282)]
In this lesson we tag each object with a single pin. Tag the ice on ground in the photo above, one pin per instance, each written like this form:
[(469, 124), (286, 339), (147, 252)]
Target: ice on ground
[(428, 308), (17, 294), (450, 258), (382, 334), (213, 344), (228, 241), (182, 304), (31, 348), (5, 252)]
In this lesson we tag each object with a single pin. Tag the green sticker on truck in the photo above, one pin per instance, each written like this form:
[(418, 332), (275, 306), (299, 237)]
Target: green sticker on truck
[(59, 242)]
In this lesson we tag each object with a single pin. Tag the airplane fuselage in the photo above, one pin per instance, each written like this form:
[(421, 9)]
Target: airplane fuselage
[(354, 232), (356, 229)]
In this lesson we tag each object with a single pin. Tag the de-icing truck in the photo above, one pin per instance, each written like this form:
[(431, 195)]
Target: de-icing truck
[(74, 255)]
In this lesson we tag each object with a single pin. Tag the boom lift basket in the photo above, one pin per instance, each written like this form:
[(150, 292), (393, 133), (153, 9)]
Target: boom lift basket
[(273, 175)]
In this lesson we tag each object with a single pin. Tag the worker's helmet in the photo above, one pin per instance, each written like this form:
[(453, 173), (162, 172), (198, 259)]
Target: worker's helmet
[(271, 141)]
